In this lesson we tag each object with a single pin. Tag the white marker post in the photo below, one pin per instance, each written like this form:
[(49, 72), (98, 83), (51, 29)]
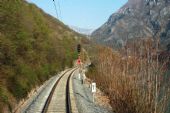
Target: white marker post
[(93, 87), (79, 76), (83, 77)]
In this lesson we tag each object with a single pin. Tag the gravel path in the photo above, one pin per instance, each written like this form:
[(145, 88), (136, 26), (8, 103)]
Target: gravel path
[(84, 98)]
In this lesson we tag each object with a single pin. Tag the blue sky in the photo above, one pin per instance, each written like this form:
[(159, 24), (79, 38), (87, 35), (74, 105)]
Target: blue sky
[(89, 14)]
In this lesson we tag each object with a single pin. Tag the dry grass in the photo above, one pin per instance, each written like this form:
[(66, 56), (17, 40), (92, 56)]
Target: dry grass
[(134, 82)]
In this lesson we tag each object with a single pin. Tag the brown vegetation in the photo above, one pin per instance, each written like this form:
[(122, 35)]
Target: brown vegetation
[(134, 79)]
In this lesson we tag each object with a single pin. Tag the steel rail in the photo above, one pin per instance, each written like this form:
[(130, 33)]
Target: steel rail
[(68, 104)]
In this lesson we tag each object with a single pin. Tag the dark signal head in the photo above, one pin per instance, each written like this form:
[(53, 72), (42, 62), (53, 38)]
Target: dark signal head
[(78, 48)]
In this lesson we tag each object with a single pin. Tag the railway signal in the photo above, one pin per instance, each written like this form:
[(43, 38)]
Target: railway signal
[(79, 48), (78, 61)]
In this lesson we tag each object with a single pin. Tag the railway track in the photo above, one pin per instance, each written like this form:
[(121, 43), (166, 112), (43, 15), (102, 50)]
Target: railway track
[(60, 99)]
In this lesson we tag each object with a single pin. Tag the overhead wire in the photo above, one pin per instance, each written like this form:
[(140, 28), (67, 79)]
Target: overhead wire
[(55, 7), (59, 7)]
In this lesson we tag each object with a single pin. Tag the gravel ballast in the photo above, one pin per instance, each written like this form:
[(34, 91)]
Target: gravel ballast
[(84, 98)]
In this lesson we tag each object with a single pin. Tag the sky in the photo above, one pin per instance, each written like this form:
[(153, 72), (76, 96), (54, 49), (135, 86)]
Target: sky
[(88, 14)]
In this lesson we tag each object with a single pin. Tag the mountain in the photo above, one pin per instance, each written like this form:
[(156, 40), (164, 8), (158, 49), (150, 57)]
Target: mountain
[(82, 30), (33, 47), (136, 19)]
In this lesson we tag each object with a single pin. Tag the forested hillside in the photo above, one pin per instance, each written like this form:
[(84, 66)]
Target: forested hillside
[(33, 47)]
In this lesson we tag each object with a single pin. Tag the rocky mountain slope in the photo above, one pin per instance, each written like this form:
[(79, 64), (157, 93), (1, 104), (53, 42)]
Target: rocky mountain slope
[(136, 19)]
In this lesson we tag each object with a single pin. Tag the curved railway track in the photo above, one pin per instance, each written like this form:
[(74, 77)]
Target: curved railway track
[(53, 104), (59, 99)]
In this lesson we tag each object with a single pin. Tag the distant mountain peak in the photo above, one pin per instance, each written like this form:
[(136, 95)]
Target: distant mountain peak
[(83, 31)]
